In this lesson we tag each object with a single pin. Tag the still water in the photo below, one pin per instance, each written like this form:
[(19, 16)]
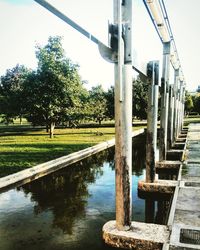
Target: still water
[(67, 209)]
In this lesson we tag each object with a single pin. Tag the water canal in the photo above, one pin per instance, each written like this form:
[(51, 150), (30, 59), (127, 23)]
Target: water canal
[(67, 209)]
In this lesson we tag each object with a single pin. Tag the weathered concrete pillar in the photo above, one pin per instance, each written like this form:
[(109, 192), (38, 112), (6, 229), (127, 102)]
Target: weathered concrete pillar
[(171, 116), (180, 108), (152, 114), (176, 79), (164, 101), (123, 114), (177, 109), (183, 107)]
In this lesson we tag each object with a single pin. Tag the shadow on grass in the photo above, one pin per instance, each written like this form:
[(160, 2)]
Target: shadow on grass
[(47, 145), (82, 133)]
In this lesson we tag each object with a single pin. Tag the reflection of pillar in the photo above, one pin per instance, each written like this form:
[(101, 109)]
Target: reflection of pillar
[(149, 211), (152, 113), (162, 212), (123, 114), (159, 214), (164, 101)]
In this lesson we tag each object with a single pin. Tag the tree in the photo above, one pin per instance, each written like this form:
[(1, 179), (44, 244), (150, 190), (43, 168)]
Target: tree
[(140, 98), (196, 102), (53, 90), (12, 92), (109, 95), (188, 103), (98, 103)]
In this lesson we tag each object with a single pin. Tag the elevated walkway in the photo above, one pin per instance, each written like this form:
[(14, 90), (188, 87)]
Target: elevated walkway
[(185, 228)]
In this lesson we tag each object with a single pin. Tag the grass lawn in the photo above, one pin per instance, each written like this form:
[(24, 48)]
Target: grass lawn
[(191, 119), (22, 146)]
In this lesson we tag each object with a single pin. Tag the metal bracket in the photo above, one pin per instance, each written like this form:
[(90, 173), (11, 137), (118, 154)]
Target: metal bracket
[(113, 34), (110, 54), (107, 53)]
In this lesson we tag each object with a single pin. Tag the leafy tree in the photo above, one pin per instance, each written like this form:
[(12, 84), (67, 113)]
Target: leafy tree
[(188, 103), (109, 95), (98, 104), (140, 98), (196, 102), (54, 89), (12, 92)]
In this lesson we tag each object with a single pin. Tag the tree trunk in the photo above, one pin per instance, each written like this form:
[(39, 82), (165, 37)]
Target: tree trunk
[(52, 126), (47, 128), (20, 119)]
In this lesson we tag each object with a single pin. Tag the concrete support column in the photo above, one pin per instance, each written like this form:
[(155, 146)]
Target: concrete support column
[(176, 79), (164, 101), (183, 107), (123, 114), (180, 108), (171, 116), (152, 114)]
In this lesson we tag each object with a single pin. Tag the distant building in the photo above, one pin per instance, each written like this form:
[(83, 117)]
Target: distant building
[(198, 89)]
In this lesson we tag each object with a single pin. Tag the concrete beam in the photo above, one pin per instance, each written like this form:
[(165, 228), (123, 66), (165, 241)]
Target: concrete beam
[(141, 236), (168, 167), (168, 164), (181, 140), (159, 186), (175, 154)]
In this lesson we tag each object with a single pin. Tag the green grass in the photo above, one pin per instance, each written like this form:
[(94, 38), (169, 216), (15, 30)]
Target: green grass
[(20, 149), (23, 146), (192, 119)]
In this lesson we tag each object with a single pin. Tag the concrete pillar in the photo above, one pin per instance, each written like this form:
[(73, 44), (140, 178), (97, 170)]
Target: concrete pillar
[(176, 79), (171, 116), (152, 114), (123, 114), (177, 109), (183, 107), (164, 101), (180, 108)]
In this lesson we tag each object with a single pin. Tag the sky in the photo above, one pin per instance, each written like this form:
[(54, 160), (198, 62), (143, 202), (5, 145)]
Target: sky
[(24, 23)]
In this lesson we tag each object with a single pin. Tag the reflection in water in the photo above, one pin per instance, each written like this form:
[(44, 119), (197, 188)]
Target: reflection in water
[(156, 211), (67, 209), (66, 192)]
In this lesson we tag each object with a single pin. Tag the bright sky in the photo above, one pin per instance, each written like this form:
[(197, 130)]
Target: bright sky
[(23, 23)]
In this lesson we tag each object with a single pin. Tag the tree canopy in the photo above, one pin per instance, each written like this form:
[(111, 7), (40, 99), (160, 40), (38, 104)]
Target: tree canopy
[(12, 92), (54, 89), (140, 98)]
